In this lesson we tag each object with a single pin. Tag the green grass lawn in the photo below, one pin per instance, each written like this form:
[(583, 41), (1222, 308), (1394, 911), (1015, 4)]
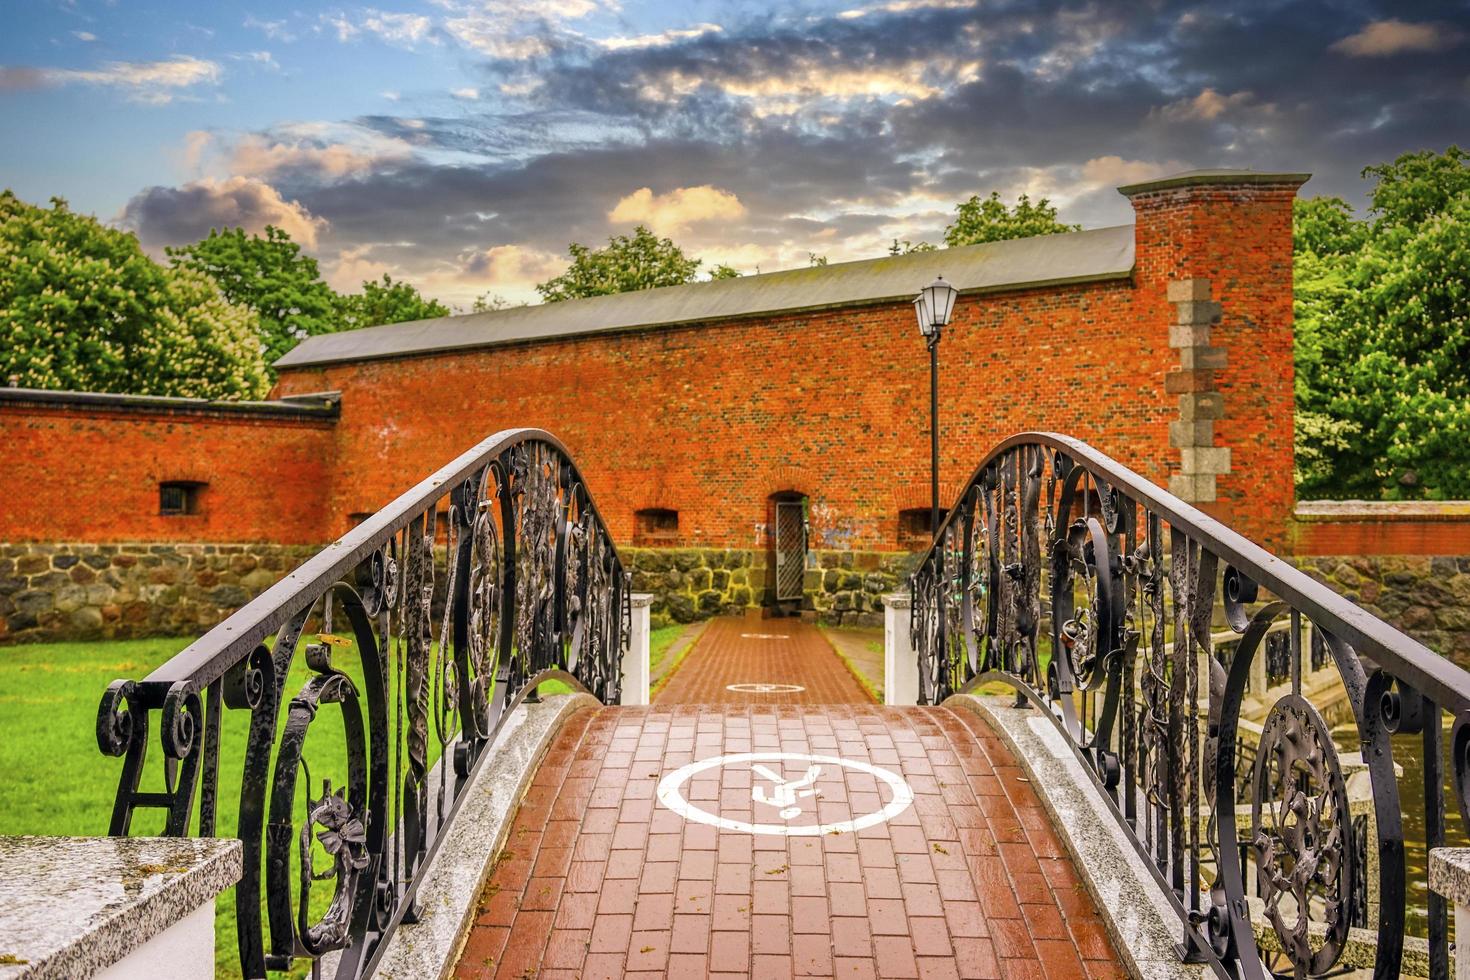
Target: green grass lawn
[(56, 782)]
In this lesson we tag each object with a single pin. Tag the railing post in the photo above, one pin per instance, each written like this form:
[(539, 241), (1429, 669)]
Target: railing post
[(635, 661), (900, 662), (1449, 875)]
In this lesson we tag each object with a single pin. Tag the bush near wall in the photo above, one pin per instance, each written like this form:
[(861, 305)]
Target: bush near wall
[(839, 587), (73, 591)]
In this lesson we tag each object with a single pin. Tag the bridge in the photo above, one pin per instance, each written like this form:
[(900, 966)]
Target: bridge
[(444, 773)]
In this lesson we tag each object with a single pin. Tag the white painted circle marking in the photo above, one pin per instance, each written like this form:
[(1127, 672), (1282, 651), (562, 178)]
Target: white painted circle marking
[(764, 688), (764, 636), (785, 794)]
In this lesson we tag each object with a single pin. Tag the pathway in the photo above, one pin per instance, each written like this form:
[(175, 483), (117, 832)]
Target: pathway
[(751, 653), (858, 841)]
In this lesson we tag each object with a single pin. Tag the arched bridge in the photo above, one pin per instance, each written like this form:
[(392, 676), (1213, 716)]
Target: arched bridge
[(765, 815)]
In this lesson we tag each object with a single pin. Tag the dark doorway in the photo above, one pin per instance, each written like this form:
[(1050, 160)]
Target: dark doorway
[(788, 542)]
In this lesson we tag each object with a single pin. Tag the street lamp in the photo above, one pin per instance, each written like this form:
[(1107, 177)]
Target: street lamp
[(933, 307)]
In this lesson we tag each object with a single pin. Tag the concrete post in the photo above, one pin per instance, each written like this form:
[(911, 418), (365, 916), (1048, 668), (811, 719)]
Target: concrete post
[(1449, 875), (635, 661), (900, 664)]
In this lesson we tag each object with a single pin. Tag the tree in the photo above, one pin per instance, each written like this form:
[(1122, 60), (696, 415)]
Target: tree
[(387, 302), (906, 247), (640, 261), (723, 271), (271, 276), (989, 220), (1383, 335), (488, 302), (82, 308)]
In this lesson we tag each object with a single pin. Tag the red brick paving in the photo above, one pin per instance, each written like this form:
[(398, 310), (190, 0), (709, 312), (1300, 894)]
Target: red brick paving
[(598, 879), (735, 650)]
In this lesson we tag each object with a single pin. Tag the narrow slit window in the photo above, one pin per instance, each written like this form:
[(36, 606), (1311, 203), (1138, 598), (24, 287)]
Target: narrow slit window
[(178, 498), (655, 525), (914, 527)]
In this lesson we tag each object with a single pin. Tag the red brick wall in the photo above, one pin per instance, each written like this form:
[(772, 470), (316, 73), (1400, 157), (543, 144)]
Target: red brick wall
[(712, 419), (92, 474), (1238, 237)]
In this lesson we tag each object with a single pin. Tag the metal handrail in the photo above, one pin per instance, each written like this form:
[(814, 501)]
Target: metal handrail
[(451, 630), (1094, 593)]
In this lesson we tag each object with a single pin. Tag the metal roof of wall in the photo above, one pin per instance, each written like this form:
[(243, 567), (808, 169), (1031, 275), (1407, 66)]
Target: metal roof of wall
[(1082, 256)]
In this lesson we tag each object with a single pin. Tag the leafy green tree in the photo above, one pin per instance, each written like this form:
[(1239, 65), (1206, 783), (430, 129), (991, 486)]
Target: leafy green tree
[(906, 247), (271, 276), (488, 302), (387, 302), (723, 271), (640, 261), (82, 308), (1383, 335), (990, 220)]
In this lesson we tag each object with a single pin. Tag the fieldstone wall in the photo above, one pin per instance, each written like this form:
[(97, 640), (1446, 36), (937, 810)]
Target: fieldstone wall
[(840, 587), (1426, 597), (72, 591)]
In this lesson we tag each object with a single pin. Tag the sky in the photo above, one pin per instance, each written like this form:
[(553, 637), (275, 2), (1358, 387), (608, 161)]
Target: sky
[(462, 144)]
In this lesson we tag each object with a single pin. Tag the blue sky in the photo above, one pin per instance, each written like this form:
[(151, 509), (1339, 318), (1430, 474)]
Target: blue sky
[(463, 143)]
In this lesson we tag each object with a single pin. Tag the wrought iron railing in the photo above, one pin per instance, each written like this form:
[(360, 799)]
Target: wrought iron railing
[(1092, 592), (455, 602)]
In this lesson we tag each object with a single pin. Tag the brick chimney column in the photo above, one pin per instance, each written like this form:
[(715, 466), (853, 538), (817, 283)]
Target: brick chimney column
[(1213, 261)]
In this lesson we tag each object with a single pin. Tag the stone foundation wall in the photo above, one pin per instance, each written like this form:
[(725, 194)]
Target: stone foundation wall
[(840, 587), (1426, 597), (71, 591)]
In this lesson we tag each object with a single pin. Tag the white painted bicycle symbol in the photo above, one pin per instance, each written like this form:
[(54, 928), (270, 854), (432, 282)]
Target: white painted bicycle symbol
[(784, 793), (791, 797)]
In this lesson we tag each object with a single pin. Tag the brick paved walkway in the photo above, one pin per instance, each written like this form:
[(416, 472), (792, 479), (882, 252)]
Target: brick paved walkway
[(600, 878), (758, 652)]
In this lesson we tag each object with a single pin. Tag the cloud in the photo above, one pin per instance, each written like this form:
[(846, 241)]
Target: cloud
[(152, 82), (21, 79), (468, 93), (662, 39), (273, 29), (352, 266), (488, 36), (1114, 171), (178, 215), (311, 151), (1205, 107), (405, 30), (510, 265), (1381, 38), (678, 209), (86, 36), (263, 58)]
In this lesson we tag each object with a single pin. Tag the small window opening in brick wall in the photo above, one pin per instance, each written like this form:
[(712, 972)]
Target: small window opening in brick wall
[(914, 530), (179, 498), (655, 526)]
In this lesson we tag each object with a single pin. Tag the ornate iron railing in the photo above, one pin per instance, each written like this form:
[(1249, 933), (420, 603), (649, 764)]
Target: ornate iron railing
[(1093, 592), (456, 601)]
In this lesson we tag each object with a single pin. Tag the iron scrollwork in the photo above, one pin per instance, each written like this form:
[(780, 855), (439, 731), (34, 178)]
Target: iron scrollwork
[(1170, 653), (415, 635)]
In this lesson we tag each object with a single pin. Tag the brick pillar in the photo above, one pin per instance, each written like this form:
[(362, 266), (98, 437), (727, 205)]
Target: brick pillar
[(1213, 261)]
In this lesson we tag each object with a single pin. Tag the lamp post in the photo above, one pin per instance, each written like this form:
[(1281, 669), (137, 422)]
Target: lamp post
[(933, 307)]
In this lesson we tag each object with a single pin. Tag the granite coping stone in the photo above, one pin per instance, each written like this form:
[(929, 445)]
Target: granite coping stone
[(1449, 873), (457, 875), (73, 906), (1143, 927)]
